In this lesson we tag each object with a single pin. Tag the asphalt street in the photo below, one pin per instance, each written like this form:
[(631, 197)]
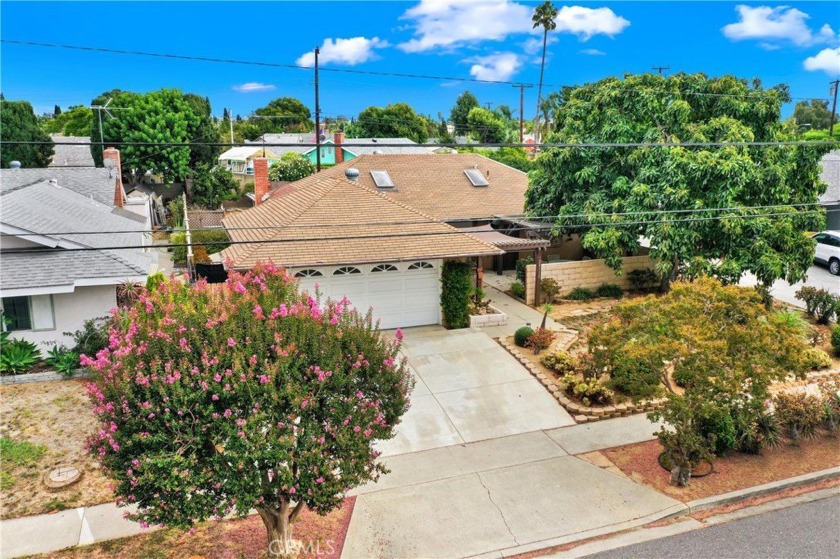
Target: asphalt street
[(818, 277), (807, 531)]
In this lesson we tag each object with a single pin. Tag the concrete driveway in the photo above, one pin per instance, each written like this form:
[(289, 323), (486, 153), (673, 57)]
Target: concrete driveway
[(468, 389)]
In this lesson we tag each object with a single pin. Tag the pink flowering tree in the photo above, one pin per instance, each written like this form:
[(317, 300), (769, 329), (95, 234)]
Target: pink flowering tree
[(218, 399)]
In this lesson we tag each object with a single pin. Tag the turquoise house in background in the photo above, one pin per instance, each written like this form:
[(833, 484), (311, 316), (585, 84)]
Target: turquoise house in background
[(333, 150)]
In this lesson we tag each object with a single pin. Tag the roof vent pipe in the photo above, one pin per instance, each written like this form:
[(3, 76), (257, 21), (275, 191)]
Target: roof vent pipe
[(14, 165), (54, 182), (352, 174)]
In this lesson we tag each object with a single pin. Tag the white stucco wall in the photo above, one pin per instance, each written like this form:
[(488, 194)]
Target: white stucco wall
[(70, 311)]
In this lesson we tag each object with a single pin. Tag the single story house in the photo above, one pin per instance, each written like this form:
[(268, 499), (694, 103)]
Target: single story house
[(240, 160), (351, 240), (830, 200), (67, 240), (333, 150)]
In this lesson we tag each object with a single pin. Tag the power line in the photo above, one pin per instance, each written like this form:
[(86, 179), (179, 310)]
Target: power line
[(333, 70), (400, 235), (521, 217), (477, 144)]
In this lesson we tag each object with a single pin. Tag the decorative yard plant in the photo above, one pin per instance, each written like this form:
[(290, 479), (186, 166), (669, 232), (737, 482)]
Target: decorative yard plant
[(219, 399), (718, 342)]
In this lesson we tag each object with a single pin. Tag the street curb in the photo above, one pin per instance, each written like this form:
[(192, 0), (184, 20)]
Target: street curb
[(761, 490)]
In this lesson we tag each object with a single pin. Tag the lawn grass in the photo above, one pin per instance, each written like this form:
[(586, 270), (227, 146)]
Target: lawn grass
[(20, 453)]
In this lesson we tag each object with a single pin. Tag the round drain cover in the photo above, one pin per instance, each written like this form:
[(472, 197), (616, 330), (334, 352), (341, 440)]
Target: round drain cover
[(62, 476)]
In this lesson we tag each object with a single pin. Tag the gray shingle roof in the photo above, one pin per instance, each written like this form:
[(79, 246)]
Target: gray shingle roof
[(306, 138), (831, 176), (94, 182), (62, 214), (71, 156)]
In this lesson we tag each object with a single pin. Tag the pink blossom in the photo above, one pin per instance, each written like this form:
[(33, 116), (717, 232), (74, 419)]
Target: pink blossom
[(399, 334), (239, 288), (228, 413), (231, 342)]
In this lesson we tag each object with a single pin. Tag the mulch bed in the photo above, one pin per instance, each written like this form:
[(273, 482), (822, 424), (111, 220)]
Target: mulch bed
[(731, 473), (322, 536)]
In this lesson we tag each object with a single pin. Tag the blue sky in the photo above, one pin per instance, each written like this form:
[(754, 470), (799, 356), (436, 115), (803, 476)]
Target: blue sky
[(489, 39)]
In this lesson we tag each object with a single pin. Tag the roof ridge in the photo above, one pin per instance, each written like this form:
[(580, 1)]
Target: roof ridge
[(123, 261)]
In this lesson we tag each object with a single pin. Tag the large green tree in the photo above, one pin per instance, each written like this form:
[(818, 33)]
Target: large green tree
[(815, 114), (159, 117), (212, 185), (19, 123), (461, 110), (284, 114), (397, 120), (75, 121), (623, 192), (486, 126)]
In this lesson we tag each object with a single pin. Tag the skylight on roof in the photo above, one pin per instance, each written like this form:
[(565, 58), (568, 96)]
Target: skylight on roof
[(382, 179), (476, 178)]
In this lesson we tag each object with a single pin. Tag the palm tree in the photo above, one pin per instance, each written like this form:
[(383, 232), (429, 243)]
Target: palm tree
[(543, 17)]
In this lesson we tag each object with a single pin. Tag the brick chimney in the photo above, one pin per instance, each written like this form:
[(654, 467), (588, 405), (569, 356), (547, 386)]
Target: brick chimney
[(261, 182), (113, 154), (338, 139)]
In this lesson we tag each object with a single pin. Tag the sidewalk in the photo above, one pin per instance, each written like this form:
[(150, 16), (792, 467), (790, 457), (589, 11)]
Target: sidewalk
[(519, 314)]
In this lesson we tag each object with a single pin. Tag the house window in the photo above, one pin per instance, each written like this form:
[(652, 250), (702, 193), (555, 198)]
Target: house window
[(17, 314), (384, 268), (308, 273), (347, 270), (421, 266)]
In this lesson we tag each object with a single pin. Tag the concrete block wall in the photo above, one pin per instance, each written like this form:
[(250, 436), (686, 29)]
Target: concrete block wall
[(584, 273)]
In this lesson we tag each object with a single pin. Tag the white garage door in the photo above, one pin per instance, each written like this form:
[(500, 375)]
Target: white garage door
[(401, 294)]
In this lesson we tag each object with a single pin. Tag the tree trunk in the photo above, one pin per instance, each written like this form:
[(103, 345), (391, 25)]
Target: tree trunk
[(279, 530), (680, 476), (539, 90)]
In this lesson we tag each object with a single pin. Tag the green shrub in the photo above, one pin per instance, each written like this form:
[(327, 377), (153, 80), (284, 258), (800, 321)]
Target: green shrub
[(154, 280), (819, 303), (540, 339), (92, 338), (456, 280), (610, 291), (644, 279), (520, 337), (588, 391), (816, 359), (517, 289), (520, 267), (581, 294), (291, 167), (799, 414), (560, 362), (719, 428), (635, 379), (791, 319), (756, 429), (549, 288), (18, 356), (65, 361), (213, 240), (835, 340), (175, 213)]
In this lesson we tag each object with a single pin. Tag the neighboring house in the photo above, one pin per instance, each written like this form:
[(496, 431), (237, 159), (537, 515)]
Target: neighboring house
[(240, 160), (350, 240), (47, 288), (459, 140), (830, 200), (71, 155), (334, 150)]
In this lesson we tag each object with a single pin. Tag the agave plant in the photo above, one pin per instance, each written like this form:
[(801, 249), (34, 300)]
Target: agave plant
[(65, 361), (18, 356), (128, 292)]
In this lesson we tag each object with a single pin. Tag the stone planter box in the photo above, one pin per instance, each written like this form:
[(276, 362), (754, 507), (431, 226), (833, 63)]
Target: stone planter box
[(497, 318), (46, 376)]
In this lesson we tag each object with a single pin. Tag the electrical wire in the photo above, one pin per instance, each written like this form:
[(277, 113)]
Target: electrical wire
[(454, 231)]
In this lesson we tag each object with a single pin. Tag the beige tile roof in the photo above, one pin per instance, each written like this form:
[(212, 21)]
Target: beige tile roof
[(437, 186), (310, 226)]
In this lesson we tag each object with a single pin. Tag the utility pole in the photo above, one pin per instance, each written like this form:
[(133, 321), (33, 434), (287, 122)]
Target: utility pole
[(230, 121), (522, 87), (660, 68), (834, 88), (488, 104), (317, 116)]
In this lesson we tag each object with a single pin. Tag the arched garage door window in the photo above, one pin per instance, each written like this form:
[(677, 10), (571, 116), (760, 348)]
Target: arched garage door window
[(308, 273), (421, 266), (346, 271), (384, 268)]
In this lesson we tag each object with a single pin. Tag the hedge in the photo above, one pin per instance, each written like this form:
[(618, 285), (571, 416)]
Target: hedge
[(214, 241), (456, 280)]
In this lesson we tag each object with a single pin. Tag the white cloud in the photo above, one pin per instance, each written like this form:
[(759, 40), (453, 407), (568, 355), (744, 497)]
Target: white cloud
[(344, 51), (495, 67), (593, 52), (250, 87), (827, 60), (782, 23), (450, 23), (586, 22)]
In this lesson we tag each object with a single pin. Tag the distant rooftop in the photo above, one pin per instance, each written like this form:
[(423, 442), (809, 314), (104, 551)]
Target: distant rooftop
[(71, 156)]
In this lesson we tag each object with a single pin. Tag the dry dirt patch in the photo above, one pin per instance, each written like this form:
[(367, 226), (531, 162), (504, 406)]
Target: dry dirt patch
[(731, 473), (57, 416)]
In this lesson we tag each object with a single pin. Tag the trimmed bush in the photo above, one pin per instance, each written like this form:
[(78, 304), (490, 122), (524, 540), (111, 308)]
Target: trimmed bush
[(610, 291), (213, 241), (835, 340), (456, 280), (517, 289), (719, 428), (560, 362), (635, 379), (588, 391), (520, 337), (581, 294), (520, 267)]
